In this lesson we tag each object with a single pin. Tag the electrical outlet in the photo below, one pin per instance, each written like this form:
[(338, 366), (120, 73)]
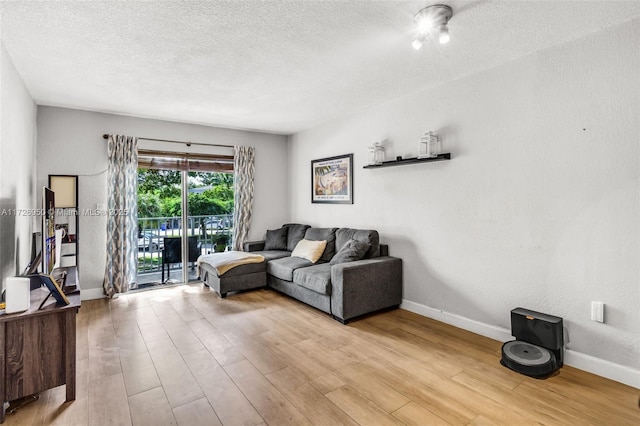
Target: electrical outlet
[(597, 311)]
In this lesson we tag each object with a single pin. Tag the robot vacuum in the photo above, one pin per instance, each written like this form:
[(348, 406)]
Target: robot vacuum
[(538, 348)]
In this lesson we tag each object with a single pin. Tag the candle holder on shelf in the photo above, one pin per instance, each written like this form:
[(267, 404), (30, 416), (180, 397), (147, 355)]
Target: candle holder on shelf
[(428, 145), (376, 154)]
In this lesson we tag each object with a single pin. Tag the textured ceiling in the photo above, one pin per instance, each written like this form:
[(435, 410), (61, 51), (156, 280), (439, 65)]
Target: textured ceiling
[(274, 66)]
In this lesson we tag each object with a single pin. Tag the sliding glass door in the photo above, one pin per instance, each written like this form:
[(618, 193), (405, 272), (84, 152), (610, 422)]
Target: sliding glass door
[(159, 222), (209, 214), (185, 209)]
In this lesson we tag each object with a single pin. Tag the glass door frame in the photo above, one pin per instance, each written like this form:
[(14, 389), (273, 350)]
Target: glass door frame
[(185, 226), (185, 162)]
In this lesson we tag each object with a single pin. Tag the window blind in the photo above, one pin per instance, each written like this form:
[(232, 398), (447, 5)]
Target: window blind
[(162, 160)]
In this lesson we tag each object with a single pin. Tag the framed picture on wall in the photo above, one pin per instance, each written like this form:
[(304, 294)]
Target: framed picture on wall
[(332, 180)]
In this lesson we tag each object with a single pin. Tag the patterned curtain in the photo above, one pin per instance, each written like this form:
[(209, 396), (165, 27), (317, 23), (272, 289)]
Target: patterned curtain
[(243, 168), (122, 227)]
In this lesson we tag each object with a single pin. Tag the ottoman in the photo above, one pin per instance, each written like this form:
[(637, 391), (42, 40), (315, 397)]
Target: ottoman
[(243, 277)]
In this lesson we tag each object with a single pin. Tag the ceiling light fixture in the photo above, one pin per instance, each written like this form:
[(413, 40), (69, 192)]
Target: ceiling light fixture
[(432, 19)]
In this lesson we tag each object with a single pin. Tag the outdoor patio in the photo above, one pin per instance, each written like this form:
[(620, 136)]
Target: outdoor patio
[(152, 279), (158, 237)]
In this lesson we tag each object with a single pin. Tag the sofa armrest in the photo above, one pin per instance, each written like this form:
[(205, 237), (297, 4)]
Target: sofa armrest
[(365, 286), (253, 246)]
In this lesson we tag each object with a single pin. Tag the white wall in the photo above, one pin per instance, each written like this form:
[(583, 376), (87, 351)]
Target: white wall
[(539, 206), (70, 142), (17, 169)]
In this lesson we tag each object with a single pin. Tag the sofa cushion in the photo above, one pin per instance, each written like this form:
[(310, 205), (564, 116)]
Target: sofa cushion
[(283, 268), (315, 278), (323, 234), (353, 250), (310, 250), (368, 236), (296, 233), (276, 239)]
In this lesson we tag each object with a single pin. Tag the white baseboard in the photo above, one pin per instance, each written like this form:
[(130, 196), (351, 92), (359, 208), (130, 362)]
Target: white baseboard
[(493, 332), (601, 367), (619, 373), (92, 293)]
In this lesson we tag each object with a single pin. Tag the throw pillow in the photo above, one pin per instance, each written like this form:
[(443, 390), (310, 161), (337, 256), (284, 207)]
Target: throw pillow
[(296, 233), (352, 250), (326, 234), (276, 239), (368, 236), (310, 250)]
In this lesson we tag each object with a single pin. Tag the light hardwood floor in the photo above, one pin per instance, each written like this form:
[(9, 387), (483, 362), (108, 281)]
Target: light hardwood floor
[(184, 356)]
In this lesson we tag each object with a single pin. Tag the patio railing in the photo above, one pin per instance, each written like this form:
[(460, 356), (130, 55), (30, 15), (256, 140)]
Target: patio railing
[(210, 230)]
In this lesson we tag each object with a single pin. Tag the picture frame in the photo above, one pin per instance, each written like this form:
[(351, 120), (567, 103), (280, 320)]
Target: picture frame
[(54, 288), (33, 266), (66, 190), (332, 180)]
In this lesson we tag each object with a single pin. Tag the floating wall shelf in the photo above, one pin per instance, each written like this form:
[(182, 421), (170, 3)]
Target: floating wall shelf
[(405, 161)]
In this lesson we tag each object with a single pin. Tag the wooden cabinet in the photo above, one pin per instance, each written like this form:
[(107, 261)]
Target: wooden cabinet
[(38, 347)]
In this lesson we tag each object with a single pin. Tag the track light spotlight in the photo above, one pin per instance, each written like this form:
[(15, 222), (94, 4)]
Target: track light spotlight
[(444, 37), (432, 19)]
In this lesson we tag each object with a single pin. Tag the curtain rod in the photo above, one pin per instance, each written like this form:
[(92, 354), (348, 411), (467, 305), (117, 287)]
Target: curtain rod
[(106, 136)]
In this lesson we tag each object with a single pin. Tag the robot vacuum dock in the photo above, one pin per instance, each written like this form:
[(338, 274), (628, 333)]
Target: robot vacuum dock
[(538, 348)]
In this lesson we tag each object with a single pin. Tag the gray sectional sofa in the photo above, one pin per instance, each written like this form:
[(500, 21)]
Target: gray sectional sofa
[(353, 277)]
